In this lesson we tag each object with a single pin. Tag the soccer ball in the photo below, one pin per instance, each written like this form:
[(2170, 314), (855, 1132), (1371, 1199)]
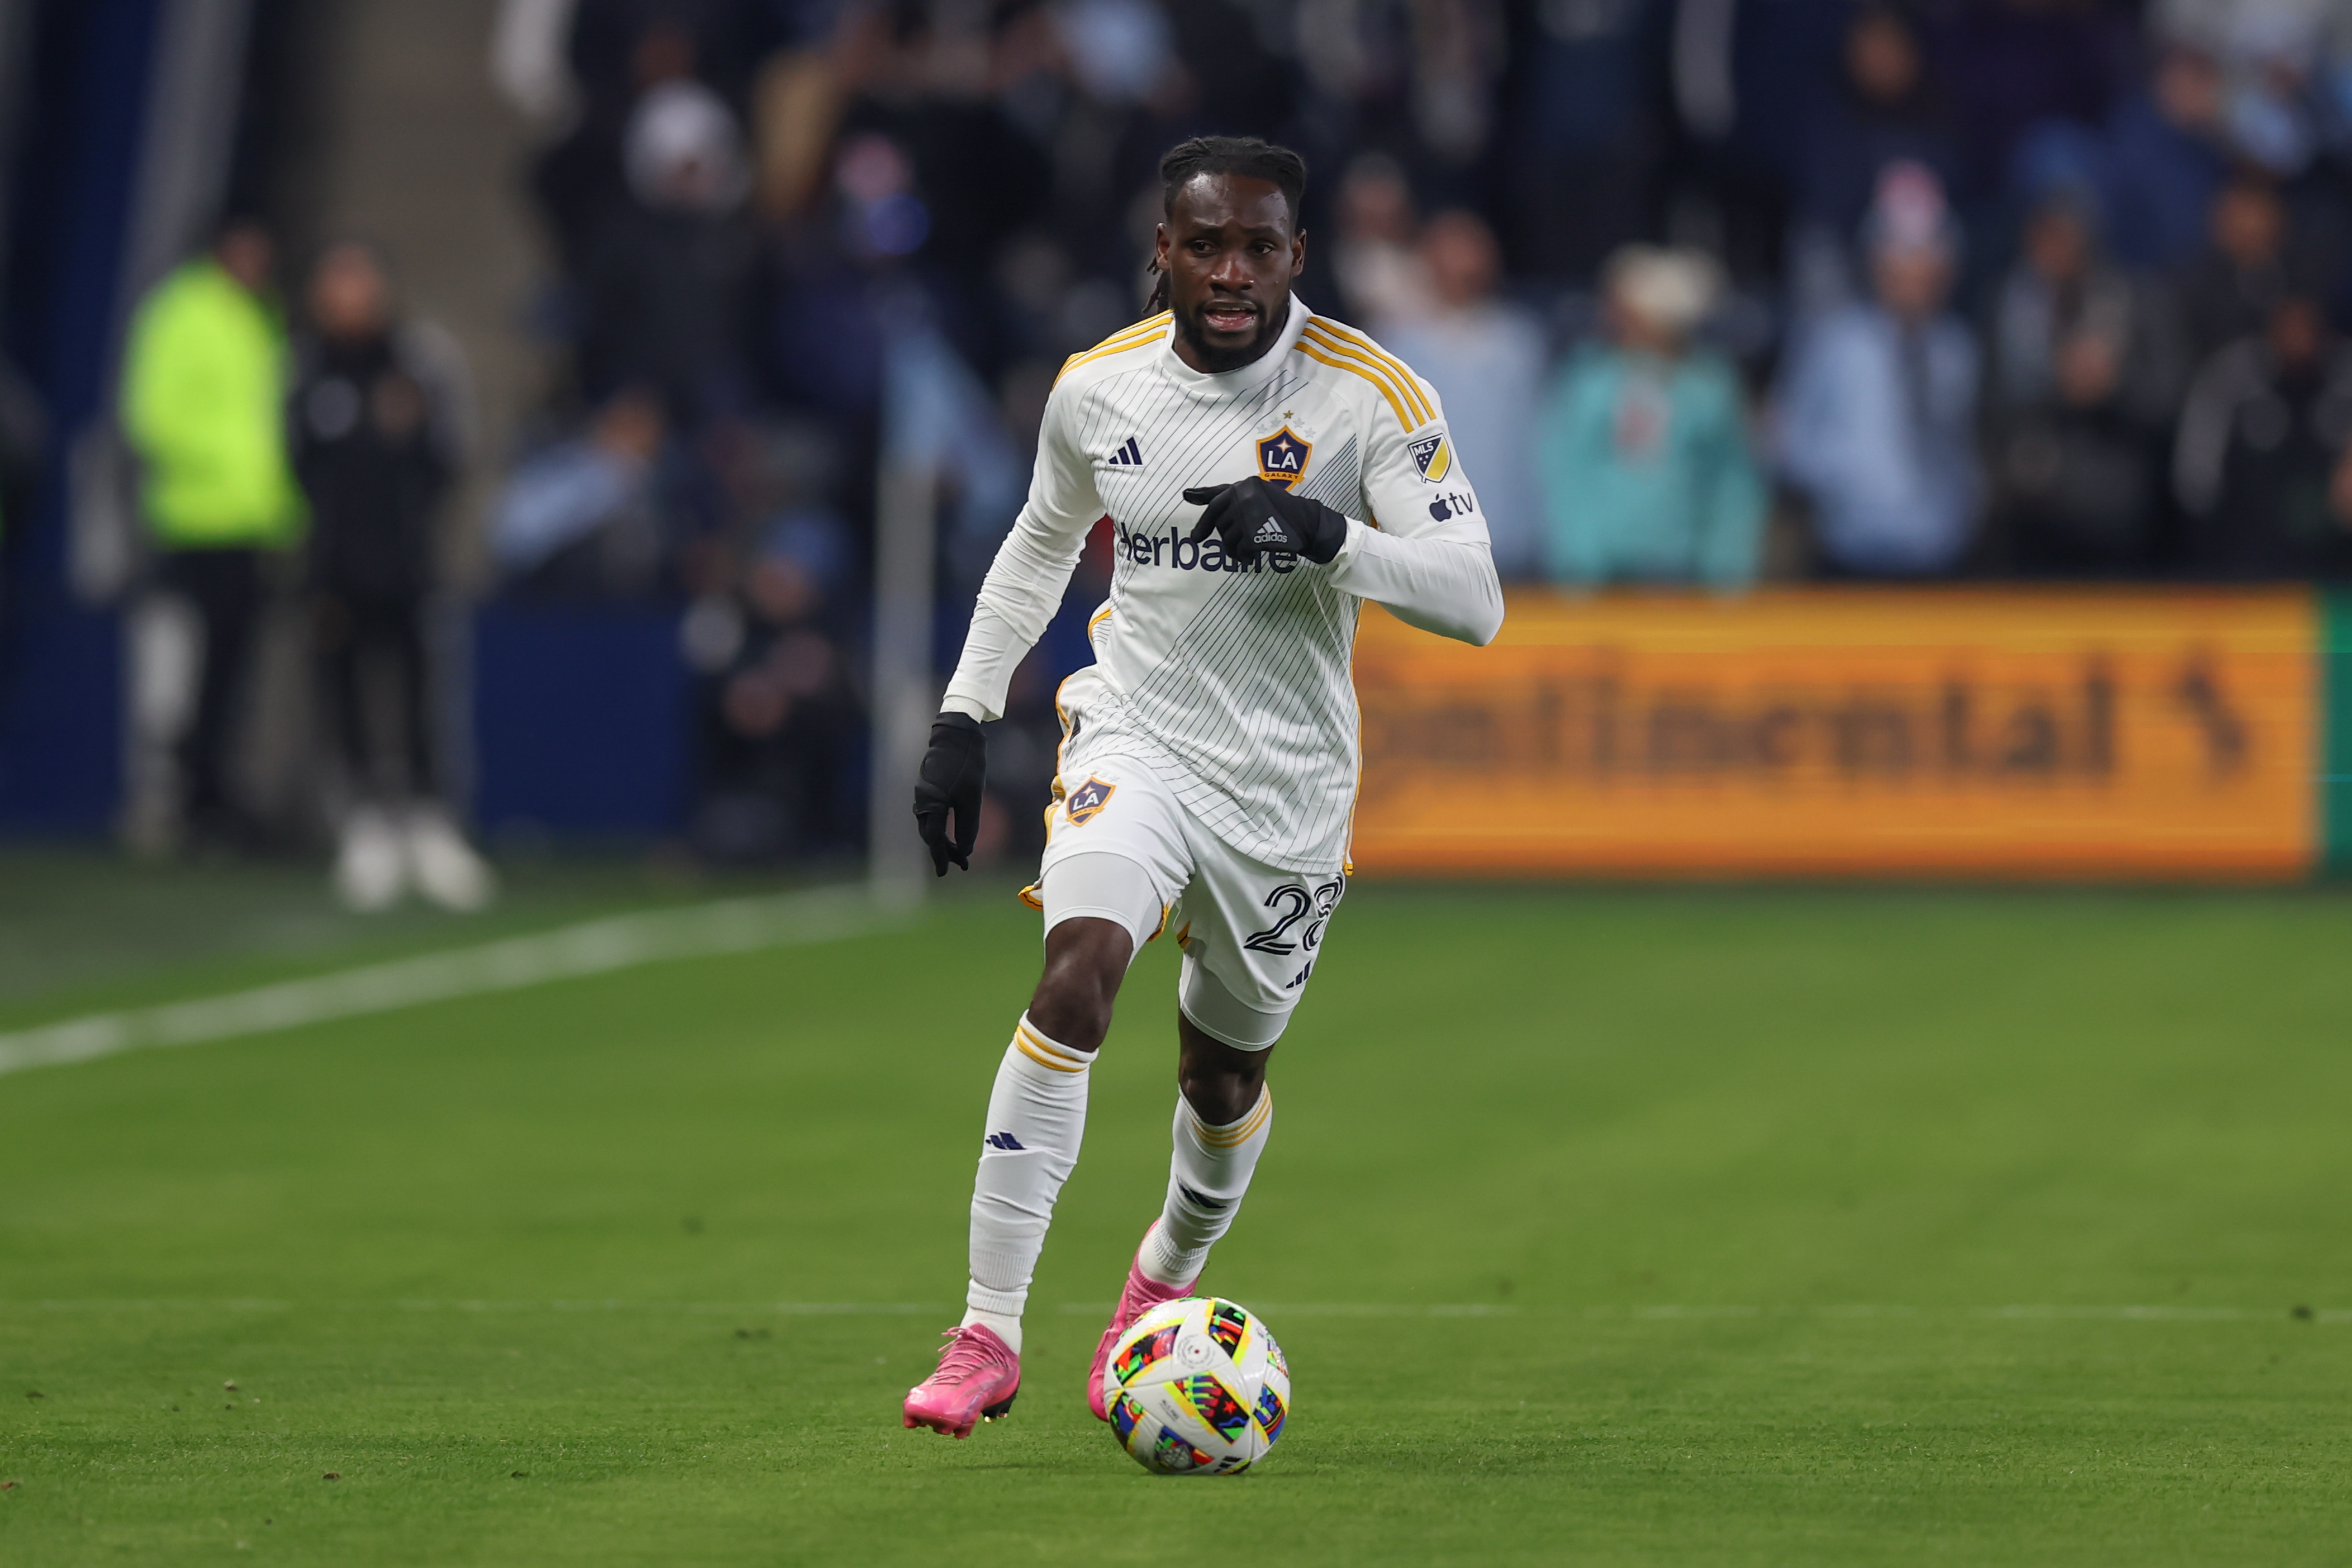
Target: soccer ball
[(1197, 1387)]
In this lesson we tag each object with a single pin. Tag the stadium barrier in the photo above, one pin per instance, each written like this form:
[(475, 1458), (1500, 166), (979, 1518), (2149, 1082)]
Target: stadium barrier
[(2096, 734), (582, 722)]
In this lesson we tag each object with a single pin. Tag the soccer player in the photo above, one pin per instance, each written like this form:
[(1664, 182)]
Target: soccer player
[(1266, 469)]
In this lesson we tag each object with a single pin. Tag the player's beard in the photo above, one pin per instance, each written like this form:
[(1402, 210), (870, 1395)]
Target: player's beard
[(1215, 361)]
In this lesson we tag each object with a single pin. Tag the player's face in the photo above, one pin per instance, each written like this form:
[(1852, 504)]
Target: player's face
[(1230, 248)]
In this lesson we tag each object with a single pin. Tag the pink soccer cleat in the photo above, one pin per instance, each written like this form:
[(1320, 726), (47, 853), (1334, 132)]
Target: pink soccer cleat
[(1142, 1294), (977, 1378)]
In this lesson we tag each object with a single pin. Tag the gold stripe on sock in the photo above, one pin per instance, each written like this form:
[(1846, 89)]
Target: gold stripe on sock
[(1038, 1050), (1242, 1131)]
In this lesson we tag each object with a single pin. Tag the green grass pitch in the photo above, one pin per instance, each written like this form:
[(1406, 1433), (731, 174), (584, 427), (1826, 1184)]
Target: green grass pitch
[(1652, 1225)]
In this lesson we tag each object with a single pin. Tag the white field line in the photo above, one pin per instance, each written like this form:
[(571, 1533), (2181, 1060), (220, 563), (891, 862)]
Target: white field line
[(2105, 1314), (595, 947)]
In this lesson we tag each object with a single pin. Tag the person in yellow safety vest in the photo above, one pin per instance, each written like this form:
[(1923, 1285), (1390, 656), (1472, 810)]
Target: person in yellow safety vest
[(203, 405)]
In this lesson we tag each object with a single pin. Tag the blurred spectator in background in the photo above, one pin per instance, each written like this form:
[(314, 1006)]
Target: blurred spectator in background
[(1591, 133), (2262, 463), (2155, 164), (1884, 110), (1877, 409), (203, 407), (613, 53), (2267, 52), (1383, 280), (2233, 288), (665, 268), (1485, 357), (1748, 79), (1644, 442), (783, 732), (592, 516), (380, 419), (2085, 384), (828, 322), (2008, 66)]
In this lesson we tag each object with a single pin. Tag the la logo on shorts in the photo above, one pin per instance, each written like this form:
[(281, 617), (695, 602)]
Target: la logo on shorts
[(1282, 458), (1086, 801)]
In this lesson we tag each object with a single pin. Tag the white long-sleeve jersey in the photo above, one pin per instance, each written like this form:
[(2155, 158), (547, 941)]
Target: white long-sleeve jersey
[(1232, 680)]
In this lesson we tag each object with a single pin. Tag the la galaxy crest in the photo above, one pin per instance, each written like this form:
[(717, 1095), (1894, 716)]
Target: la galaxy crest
[(1282, 457), (1432, 456), (1086, 801)]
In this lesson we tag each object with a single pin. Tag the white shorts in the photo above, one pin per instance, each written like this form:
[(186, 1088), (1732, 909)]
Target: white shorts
[(1121, 846)]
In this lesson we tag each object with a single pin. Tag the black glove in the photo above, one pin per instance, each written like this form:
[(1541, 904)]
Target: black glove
[(955, 771), (1254, 516)]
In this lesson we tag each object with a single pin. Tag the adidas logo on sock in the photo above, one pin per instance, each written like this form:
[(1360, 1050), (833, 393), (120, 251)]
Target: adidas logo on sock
[(1203, 1201), (1128, 456), (1004, 1140)]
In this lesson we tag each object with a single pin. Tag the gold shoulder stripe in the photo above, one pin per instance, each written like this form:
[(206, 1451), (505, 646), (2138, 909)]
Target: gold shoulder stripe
[(1148, 325), (1133, 337), (1401, 393), (1414, 410), (1365, 348), (1404, 372), (1311, 351)]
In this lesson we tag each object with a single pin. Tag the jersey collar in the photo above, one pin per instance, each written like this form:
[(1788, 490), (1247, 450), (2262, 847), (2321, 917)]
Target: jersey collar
[(1251, 376)]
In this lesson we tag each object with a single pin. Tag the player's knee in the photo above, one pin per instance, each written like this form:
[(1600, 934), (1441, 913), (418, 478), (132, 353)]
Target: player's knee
[(1220, 1083), (1085, 961), (1222, 1096)]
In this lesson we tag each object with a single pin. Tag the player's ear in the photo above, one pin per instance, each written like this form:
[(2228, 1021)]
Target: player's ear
[(1160, 248), (1298, 253)]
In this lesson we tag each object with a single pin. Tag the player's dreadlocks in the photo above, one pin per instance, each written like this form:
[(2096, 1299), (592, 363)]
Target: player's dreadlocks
[(1259, 160)]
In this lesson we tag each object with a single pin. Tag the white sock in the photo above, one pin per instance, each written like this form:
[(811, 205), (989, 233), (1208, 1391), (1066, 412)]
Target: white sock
[(1006, 1326), (1206, 1178), (1036, 1119)]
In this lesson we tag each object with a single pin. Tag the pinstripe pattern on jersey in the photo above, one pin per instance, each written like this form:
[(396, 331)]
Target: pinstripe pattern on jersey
[(1256, 692)]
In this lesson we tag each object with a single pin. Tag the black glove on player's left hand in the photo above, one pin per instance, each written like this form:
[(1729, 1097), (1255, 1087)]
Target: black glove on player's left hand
[(954, 778), (1254, 516)]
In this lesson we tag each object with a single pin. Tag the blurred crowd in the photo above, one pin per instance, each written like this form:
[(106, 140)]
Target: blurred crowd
[(1715, 292), (1711, 288)]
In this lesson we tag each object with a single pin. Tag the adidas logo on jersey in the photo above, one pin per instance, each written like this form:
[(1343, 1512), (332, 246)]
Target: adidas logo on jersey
[(1128, 456)]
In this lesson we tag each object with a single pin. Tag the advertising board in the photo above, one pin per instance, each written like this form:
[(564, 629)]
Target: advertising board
[(1837, 731)]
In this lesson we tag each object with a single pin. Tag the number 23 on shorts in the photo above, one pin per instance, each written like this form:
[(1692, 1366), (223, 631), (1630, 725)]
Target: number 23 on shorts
[(1292, 902)]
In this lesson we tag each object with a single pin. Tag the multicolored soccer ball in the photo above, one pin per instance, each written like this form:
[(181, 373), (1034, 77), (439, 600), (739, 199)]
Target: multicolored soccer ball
[(1198, 1387)]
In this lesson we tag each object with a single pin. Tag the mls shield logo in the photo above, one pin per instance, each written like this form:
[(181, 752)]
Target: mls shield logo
[(1282, 457), (1086, 801), (1432, 456)]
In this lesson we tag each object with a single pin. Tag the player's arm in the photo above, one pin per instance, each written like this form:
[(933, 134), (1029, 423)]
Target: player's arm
[(1428, 558), (1017, 600)]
